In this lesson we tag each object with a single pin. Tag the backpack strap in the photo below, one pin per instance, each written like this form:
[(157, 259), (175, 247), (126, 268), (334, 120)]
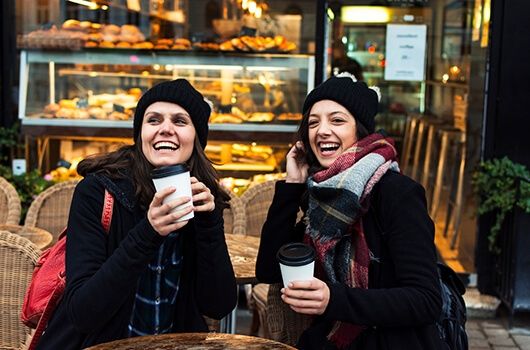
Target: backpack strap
[(106, 218), (106, 215)]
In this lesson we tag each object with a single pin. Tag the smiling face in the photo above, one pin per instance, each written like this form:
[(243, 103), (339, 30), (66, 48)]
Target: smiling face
[(167, 134), (332, 130)]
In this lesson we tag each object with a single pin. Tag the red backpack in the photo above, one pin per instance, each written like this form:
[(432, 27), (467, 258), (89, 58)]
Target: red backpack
[(49, 280)]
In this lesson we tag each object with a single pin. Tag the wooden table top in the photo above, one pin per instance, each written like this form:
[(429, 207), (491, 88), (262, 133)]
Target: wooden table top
[(192, 341), (243, 252)]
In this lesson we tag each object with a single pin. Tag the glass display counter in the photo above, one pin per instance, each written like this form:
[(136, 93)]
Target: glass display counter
[(90, 95)]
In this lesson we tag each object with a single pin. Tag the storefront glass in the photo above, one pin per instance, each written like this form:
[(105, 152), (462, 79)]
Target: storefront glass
[(429, 59), (84, 64)]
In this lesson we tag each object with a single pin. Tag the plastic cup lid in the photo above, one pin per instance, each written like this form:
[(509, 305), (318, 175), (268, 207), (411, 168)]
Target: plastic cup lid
[(295, 254), (165, 171)]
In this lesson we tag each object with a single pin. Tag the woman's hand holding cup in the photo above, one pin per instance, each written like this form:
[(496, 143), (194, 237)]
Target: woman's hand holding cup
[(203, 199), (163, 216), (307, 297)]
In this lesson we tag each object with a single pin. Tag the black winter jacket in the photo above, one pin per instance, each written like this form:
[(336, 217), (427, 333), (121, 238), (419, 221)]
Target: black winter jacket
[(403, 299), (102, 269)]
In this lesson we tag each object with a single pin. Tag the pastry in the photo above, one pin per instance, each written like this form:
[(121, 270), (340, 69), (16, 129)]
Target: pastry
[(91, 44), (123, 45), (182, 41), (290, 116), (106, 44), (51, 108), (71, 24), (111, 29), (166, 42), (161, 47), (225, 118), (261, 117), (129, 29), (143, 45)]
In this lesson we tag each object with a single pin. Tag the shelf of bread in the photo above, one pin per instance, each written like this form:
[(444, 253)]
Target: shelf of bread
[(75, 35), (252, 157)]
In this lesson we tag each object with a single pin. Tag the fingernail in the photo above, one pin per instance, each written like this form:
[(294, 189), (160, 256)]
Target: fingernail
[(290, 285)]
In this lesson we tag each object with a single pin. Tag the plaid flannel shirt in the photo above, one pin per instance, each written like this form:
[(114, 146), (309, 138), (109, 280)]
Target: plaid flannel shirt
[(154, 306)]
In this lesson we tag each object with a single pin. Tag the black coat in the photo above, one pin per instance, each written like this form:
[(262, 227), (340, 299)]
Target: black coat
[(102, 269), (403, 299)]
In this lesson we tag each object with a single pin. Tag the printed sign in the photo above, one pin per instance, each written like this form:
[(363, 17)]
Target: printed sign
[(405, 52)]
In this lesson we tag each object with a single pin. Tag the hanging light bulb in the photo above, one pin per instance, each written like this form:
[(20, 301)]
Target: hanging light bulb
[(244, 4)]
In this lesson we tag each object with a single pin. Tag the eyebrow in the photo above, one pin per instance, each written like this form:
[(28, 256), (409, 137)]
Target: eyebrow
[(329, 114), (181, 114)]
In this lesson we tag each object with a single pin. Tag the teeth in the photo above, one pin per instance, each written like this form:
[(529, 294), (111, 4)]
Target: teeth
[(329, 145), (165, 145)]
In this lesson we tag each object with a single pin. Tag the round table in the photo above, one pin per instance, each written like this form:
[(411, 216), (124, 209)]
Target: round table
[(243, 251), (192, 341)]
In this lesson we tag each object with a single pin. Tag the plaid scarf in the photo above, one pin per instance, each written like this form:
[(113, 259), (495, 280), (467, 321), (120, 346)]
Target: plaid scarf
[(337, 202)]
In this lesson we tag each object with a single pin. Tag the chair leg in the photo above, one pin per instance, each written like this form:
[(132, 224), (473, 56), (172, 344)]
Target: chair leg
[(255, 324)]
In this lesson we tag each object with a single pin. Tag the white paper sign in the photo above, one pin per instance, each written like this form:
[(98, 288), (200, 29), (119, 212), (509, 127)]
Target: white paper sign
[(405, 52)]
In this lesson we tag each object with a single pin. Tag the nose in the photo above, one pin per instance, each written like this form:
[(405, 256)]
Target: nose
[(166, 127), (324, 129)]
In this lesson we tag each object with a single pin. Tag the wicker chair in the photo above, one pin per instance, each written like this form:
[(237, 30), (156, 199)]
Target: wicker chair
[(51, 208), (234, 217), (9, 203), (278, 321), (17, 260), (256, 201), (38, 236)]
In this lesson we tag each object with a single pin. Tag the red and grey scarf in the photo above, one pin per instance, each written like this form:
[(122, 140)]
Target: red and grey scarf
[(336, 206)]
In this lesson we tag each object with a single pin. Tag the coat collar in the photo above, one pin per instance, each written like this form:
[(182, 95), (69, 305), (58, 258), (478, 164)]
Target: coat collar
[(122, 189)]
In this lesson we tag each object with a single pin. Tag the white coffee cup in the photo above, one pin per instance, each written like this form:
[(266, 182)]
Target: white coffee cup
[(177, 176), (297, 262)]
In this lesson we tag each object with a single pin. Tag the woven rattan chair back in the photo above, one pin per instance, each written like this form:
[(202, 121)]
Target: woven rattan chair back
[(9, 203), (38, 236), (234, 217), (50, 209), (256, 201), (18, 257)]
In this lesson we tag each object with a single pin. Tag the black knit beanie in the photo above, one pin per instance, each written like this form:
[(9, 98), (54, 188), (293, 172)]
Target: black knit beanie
[(182, 93), (360, 100)]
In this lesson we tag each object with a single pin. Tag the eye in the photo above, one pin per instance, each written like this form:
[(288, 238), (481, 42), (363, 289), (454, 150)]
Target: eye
[(152, 120), (181, 120), (338, 120), (312, 122)]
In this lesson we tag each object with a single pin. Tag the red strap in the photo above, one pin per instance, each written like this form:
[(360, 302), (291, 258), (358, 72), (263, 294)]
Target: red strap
[(106, 218)]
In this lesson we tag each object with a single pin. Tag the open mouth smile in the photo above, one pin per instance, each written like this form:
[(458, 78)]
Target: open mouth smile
[(328, 148), (166, 146)]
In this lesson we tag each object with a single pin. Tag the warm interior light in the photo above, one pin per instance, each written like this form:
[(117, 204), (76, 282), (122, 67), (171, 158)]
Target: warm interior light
[(252, 7), (244, 4), (258, 12), (365, 14), (445, 78), (104, 7), (91, 5)]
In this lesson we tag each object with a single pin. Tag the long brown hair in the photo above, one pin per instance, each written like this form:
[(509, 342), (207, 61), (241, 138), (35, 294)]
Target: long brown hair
[(303, 135), (129, 161)]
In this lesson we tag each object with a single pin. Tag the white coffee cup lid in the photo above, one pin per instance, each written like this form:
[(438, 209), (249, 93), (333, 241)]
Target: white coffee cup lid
[(169, 171)]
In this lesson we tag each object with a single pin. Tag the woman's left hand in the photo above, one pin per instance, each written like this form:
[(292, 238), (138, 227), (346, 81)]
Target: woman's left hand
[(203, 199), (307, 297)]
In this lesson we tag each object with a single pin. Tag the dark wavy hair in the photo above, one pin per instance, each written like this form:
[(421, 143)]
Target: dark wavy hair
[(303, 135), (129, 161)]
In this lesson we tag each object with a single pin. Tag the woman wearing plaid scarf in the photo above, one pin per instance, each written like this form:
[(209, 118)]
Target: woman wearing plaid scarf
[(376, 284)]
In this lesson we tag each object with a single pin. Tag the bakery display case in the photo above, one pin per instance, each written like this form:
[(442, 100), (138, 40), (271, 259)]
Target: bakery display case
[(89, 94)]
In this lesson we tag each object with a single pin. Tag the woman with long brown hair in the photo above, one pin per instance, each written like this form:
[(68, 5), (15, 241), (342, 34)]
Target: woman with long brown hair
[(151, 273)]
